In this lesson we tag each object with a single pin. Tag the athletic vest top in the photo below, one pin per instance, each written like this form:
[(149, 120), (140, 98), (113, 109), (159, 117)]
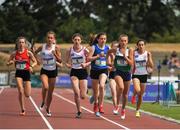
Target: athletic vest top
[(48, 59), (99, 63), (77, 58), (140, 63), (22, 60), (120, 63)]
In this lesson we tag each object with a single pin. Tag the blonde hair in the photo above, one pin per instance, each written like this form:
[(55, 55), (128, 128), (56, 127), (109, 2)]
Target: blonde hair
[(17, 41), (123, 35), (113, 43), (77, 35), (51, 32), (92, 39)]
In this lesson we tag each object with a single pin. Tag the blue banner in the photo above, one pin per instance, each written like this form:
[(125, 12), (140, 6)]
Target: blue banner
[(65, 81), (151, 93)]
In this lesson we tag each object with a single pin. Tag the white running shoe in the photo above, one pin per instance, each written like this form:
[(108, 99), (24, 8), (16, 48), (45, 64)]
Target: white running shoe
[(116, 110), (97, 114), (42, 106), (78, 115), (48, 113), (123, 114)]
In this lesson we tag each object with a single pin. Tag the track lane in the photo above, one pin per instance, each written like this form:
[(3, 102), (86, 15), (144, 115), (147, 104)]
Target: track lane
[(10, 109), (63, 114), (91, 112), (146, 121)]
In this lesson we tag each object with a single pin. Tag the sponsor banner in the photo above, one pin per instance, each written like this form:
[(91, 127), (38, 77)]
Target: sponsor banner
[(35, 81), (65, 81), (12, 80), (151, 93), (3, 78)]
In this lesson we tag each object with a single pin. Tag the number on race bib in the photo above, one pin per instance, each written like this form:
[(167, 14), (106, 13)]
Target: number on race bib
[(77, 60), (100, 62), (20, 66), (48, 61)]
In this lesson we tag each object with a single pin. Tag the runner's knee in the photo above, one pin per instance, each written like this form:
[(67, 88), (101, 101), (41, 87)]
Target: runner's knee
[(46, 88), (83, 96), (76, 95), (27, 95)]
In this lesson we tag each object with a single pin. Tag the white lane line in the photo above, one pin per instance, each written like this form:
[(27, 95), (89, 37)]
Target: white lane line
[(67, 100), (2, 90), (40, 113)]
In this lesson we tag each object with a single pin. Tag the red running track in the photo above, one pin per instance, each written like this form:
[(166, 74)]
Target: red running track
[(63, 114)]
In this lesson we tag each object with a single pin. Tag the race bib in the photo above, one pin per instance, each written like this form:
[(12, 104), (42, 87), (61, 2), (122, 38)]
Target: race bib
[(140, 64), (78, 60), (121, 62), (141, 67), (100, 62), (21, 65), (48, 61)]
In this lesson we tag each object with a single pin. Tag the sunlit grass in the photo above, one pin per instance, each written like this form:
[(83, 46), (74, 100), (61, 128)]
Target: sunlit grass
[(162, 47), (173, 112)]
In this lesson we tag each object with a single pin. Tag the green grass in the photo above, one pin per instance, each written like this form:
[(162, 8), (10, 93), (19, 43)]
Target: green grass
[(169, 112), (173, 112)]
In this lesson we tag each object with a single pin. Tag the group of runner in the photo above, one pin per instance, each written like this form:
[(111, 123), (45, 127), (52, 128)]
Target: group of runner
[(118, 62)]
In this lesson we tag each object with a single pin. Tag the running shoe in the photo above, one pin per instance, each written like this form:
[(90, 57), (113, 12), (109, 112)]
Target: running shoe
[(116, 110), (78, 115), (95, 107), (133, 99), (97, 114), (101, 110), (22, 113), (91, 99), (42, 106), (123, 114), (138, 114), (48, 113)]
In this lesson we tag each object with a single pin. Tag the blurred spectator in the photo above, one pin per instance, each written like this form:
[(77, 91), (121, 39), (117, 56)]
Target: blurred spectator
[(165, 60), (174, 61)]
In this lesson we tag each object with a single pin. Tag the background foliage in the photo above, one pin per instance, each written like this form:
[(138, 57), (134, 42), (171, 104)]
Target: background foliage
[(153, 20)]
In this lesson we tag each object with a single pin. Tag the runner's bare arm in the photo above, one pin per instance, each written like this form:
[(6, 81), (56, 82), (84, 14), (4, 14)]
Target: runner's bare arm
[(150, 61), (35, 52), (57, 54), (90, 55), (33, 59), (67, 61), (130, 58), (87, 63), (11, 59)]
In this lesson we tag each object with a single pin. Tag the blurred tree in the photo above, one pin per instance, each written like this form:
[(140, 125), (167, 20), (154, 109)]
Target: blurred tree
[(137, 18), (16, 22), (81, 25), (159, 19), (49, 15), (79, 8)]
